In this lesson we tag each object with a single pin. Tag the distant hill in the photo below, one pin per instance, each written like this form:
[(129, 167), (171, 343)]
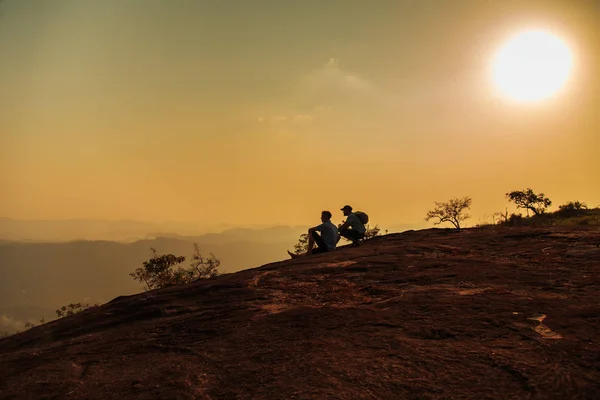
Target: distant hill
[(130, 230), (88, 229), (484, 313)]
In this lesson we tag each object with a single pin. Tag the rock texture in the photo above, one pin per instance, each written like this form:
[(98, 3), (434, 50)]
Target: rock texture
[(482, 313)]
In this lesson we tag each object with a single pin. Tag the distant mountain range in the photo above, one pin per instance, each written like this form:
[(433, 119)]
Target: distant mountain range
[(88, 229), (129, 230)]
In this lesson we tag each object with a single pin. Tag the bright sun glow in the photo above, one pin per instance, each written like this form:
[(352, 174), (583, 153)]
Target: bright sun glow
[(532, 66)]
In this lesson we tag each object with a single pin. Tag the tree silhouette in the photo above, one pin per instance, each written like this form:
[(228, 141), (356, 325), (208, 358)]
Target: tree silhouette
[(571, 208), (167, 270), (302, 246), (528, 200), (452, 211)]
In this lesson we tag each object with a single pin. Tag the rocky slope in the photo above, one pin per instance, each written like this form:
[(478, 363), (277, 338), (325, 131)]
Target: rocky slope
[(483, 313)]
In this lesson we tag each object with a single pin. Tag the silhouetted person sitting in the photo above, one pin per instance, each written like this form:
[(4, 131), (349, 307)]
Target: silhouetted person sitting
[(326, 241), (353, 229)]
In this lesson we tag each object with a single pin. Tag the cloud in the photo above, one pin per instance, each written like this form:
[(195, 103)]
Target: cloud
[(9, 325), (332, 77), (319, 98), (331, 89), (302, 118)]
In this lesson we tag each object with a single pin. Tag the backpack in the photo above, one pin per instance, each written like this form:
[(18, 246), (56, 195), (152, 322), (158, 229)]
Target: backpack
[(364, 218)]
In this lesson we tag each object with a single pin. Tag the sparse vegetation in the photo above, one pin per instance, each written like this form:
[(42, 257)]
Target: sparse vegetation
[(500, 217), (205, 267), (73, 308), (528, 200), (571, 213), (515, 220), (167, 270), (572, 208), (453, 211), (302, 246), (30, 324), (64, 311), (371, 232)]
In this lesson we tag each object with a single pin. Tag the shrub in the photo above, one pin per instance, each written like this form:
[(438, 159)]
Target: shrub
[(515, 220), (571, 209), (167, 270), (73, 308), (302, 246), (371, 232)]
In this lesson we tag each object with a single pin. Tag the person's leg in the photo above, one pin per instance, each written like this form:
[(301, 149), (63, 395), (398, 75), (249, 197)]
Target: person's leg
[(356, 236), (319, 250), (311, 244), (321, 245), (350, 234), (345, 233), (312, 239), (292, 255)]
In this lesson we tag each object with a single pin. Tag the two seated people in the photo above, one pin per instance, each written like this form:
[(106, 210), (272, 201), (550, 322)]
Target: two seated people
[(352, 229)]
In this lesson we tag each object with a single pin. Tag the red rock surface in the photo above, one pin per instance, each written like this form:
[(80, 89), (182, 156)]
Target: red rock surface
[(483, 313)]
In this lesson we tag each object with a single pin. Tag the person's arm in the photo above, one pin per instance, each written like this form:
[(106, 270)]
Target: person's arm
[(317, 228), (347, 223)]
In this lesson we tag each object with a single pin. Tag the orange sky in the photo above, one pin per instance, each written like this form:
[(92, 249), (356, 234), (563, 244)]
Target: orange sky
[(268, 112)]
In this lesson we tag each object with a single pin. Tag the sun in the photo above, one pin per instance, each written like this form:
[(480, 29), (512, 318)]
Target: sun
[(532, 66)]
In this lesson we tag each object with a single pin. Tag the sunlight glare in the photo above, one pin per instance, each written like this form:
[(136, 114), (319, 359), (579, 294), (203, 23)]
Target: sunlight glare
[(532, 66)]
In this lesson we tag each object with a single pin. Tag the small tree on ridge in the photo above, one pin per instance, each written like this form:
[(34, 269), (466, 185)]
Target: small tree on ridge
[(453, 211), (528, 200)]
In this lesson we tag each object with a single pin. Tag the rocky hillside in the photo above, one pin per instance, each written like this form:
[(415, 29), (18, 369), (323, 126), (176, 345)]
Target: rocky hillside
[(483, 313)]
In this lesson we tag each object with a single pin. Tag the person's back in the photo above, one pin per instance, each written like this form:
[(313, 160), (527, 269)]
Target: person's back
[(329, 233), (355, 223)]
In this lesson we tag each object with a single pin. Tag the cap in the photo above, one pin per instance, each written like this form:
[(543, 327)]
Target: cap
[(346, 207)]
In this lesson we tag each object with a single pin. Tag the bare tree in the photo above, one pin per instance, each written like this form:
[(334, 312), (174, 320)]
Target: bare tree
[(452, 211), (205, 267)]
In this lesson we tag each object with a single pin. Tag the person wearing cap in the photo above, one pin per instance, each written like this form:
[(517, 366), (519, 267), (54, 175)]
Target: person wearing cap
[(326, 241), (352, 229)]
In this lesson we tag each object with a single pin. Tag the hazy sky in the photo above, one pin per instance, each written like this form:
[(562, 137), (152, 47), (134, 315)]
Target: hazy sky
[(270, 111)]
